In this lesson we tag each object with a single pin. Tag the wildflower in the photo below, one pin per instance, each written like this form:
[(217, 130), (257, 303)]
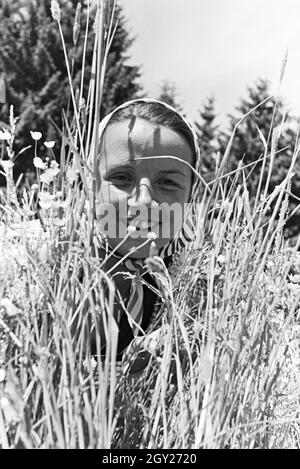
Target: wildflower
[(55, 10), (10, 308), (60, 222), (46, 200), (131, 229), (5, 135), (54, 166), (38, 163), (151, 235), (49, 144), (49, 174), (34, 187), (46, 178), (36, 135)]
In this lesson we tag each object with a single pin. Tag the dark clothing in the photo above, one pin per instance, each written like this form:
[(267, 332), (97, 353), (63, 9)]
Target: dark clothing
[(150, 300), (125, 331)]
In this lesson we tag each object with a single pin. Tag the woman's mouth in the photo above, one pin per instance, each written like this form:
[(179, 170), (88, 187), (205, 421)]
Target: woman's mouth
[(141, 225)]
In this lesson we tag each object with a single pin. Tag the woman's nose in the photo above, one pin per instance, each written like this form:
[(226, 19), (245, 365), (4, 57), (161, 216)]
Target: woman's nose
[(142, 194)]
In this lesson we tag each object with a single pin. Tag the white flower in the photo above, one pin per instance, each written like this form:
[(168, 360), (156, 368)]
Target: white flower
[(5, 135), (11, 309), (36, 135), (59, 222), (54, 165), (151, 235), (62, 203), (46, 178), (131, 229), (46, 200), (49, 144), (38, 163), (49, 174)]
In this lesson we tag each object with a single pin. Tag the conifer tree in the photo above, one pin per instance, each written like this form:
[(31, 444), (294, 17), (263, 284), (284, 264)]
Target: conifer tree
[(33, 66), (168, 94), (248, 144), (208, 132)]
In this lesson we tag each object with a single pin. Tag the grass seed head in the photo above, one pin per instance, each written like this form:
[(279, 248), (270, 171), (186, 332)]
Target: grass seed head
[(55, 10)]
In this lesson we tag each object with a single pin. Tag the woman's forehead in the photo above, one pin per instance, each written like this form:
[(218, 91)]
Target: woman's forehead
[(131, 139)]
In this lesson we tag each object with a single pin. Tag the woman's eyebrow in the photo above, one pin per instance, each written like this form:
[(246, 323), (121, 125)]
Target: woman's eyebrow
[(128, 165), (174, 171), (120, 165)]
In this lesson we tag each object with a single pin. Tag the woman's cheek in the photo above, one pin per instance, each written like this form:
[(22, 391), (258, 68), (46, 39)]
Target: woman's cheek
[(111, 203), (110, 194)]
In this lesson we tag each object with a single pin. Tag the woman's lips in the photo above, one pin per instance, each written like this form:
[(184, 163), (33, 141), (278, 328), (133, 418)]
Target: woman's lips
[(141, 225), (139, 222)]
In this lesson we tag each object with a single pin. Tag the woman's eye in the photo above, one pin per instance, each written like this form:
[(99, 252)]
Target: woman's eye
[(168, 184), (121, 179)]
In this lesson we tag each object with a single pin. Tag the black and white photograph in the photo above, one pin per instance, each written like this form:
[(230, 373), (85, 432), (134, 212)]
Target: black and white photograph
[(149, 227)]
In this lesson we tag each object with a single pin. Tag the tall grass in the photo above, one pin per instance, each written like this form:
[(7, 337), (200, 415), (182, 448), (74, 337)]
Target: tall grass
[(223, 365)]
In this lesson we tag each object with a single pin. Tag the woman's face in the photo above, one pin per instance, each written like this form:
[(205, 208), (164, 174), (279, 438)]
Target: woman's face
[(135, 190)]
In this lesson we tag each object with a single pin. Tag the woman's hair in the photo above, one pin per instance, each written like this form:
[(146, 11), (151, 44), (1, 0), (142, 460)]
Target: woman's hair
[(156, 113)]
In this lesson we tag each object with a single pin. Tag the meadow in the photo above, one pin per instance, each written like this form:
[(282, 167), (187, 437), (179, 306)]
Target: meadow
[(224, 367)]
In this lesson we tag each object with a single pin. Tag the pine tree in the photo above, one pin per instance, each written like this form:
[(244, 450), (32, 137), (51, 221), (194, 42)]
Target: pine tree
[(168, 94), (208, 132), (248, 143), (33, 66)]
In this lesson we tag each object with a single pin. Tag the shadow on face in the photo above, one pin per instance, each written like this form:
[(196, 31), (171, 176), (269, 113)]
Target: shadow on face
[(143, 172)]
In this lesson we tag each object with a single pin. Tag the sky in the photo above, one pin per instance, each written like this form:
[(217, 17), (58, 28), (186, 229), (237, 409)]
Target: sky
[(216, 47)]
